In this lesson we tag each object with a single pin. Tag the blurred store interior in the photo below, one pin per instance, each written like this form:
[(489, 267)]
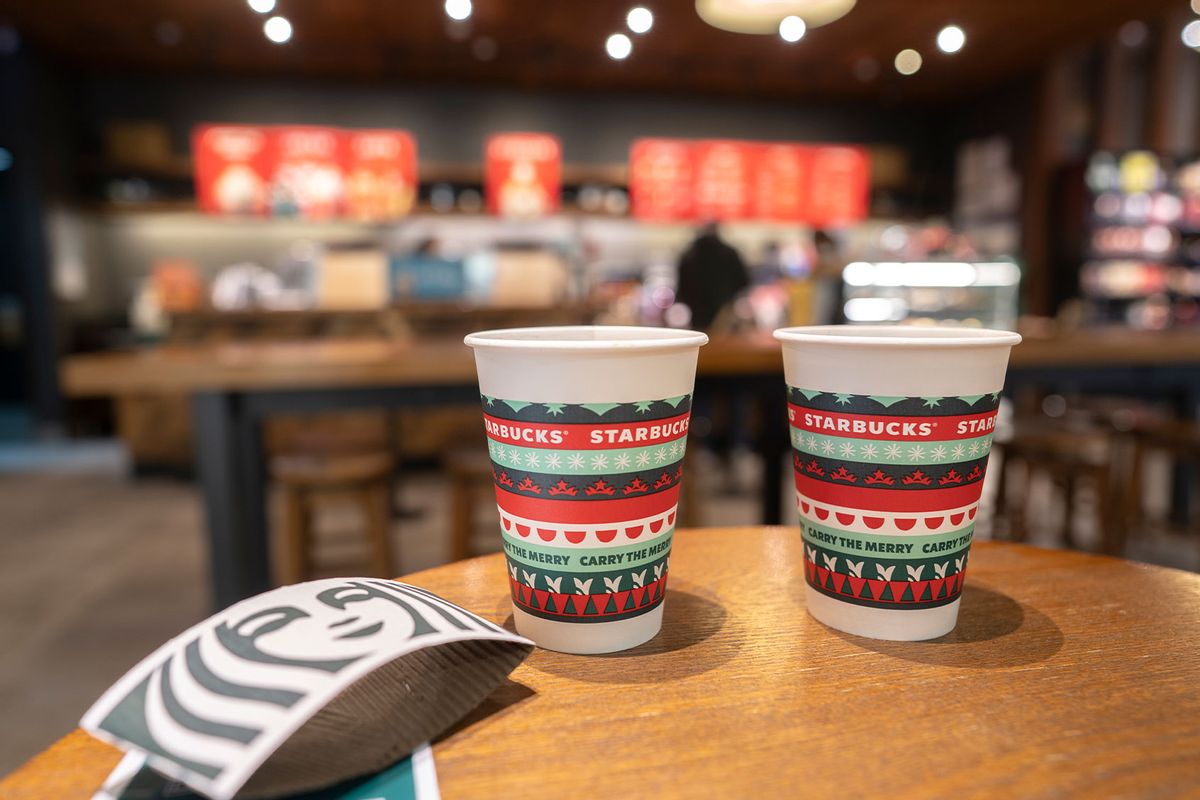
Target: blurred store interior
[(240, 243)]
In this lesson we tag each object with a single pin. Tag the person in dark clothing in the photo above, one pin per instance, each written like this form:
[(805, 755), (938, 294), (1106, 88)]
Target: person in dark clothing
[(711, 273)]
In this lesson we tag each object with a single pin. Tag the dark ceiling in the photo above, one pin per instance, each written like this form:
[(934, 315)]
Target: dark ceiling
[(559, 44)]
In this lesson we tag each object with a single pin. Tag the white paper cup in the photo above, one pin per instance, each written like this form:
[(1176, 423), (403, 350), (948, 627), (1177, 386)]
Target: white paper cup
[(586, 430), (891, 429)]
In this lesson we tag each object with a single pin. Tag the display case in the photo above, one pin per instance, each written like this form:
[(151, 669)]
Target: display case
[(1141, 259), (980, 294)]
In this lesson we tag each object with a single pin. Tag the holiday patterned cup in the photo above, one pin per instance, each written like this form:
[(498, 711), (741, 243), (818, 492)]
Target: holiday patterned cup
[(891, 428), (586, 430)]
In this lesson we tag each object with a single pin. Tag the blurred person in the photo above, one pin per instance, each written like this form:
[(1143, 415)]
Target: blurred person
[(711, 273), (769, 268), (829, 294)]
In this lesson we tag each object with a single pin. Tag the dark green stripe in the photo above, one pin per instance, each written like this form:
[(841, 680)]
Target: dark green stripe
[(576, 413), (893, 407)]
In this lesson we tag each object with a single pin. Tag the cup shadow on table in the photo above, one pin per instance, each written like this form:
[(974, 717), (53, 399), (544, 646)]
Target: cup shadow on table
[(993, 631), (694, 622)]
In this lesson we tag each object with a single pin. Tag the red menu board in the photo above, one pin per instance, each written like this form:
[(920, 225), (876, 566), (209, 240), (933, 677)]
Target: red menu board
[(381, 174), (723, 174), (839, 181), (307, 179), (673, 179), (781, 182), (232, 167), (312, 172), (660, 179), (522, 174)]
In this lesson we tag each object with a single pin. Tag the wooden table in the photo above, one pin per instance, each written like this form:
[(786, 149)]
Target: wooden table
[(1068, 675), (235, 386)]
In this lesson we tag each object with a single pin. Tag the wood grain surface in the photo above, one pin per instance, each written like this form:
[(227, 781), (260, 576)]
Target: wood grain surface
[(380, 362), (1068, 676)]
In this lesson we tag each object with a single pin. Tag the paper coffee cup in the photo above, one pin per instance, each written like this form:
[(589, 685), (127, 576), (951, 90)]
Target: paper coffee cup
[(586, 430), (891, 429)]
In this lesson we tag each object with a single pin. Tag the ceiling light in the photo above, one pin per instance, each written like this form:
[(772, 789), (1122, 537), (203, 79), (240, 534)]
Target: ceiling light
[(762, 16), (791, 29), (261, 6), (1133, 33), (458, 9), (484, 48), (640, 19), (951, 39), (908, 61), (278, 29), (168, 33), (618, 46), (1191, 33), (866, 69)]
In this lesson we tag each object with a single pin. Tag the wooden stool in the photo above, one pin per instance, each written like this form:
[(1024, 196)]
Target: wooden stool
[(1180, 440), (470, 473), (304, 477), (1069, 458)]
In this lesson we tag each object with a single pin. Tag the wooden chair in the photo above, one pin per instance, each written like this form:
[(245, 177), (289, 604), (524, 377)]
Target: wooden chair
[(306, 478), (470, 474), (1071, 459), (1180, 440)]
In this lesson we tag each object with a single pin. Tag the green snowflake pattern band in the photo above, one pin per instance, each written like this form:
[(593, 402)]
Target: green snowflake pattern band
[(890, 452)]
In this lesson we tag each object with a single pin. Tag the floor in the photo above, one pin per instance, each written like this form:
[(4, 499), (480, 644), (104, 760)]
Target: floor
[(96, 570)]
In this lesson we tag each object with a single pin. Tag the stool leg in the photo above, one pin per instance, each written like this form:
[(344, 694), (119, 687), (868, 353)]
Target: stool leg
[(1019, 530), (1068, 523), (379, 513), (1000, 509), (296, 563), (689, 508), (462, 517)]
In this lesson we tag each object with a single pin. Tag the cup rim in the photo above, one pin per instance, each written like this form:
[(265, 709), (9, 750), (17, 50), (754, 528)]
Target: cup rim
[(897, 336), (586, 338)]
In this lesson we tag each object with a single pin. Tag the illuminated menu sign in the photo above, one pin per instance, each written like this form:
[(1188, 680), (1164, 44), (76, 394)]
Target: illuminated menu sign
[(522, 174), (305, 171), (680, 180), (660, 180)]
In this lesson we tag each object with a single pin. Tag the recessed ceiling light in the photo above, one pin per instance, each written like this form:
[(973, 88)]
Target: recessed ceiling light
[(792, 28), (1133, 33), (866, 69), (908, 61), (168, 33), (261, 6), (640, 19), (484, 48), (1191, 33), (951, 39), (278, 29), (618, 46), (458, 9)]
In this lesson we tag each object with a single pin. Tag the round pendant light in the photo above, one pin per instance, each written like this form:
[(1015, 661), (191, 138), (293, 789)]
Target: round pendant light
[(763, 16)]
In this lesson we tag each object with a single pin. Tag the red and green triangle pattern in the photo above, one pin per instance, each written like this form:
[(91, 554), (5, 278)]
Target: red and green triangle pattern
[(570, 607), (885, 593)]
